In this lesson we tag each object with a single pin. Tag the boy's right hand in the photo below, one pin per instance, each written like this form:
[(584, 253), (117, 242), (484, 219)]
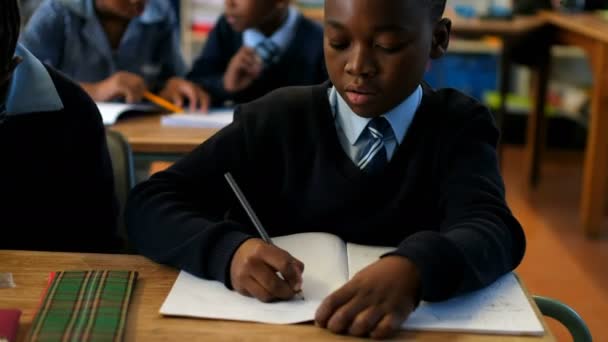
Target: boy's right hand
[(242, 70), (123, 84), (254, 267)]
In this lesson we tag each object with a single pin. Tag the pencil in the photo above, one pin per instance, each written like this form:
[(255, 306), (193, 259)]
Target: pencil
[(159, 101), (254, 218)]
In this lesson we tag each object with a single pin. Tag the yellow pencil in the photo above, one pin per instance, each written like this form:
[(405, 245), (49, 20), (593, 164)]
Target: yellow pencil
[(159, 101)]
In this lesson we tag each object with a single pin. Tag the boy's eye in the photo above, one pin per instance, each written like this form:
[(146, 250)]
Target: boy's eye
[(338, 45), (390, 48)]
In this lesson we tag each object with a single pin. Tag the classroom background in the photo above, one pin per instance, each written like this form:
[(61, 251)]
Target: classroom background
[(561, 261)]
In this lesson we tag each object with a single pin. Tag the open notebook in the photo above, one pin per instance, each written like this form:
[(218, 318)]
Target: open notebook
[(217, 118), (111, 111), (501, 308)]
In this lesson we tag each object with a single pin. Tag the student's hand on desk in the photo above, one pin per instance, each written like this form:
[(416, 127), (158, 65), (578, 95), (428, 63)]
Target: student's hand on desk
[(254, 267), (375, 302), (177, 89), (242, 70), (121, 84)]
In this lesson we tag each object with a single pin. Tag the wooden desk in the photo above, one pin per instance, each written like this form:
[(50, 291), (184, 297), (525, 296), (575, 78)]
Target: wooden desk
[(31, 270), (146, 135), (589, 32), (475, 28)]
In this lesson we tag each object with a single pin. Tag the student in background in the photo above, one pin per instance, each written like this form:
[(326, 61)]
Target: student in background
[(258, 46), (376, 157), (114, 48), (56, 180)]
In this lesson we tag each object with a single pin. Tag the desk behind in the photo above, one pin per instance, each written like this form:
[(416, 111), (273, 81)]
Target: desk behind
[(144, 323), (475, 28), (147, 135)]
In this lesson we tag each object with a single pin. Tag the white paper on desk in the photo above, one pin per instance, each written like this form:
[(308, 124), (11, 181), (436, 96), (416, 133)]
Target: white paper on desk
[(501, 308), (215, 119), (110, 111), (195, 297)]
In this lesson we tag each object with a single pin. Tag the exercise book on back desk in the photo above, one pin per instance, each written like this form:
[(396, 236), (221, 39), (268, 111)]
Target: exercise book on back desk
[(216, 118), (111, 111), (501, 308)]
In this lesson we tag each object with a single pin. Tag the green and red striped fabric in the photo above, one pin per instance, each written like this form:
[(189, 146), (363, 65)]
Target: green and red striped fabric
[(84, 306)]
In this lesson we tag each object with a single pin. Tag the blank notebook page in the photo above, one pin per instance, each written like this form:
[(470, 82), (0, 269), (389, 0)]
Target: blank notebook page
[(195, 297)]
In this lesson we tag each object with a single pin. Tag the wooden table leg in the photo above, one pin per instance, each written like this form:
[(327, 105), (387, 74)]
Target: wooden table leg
[(595, 174), (535, 132)]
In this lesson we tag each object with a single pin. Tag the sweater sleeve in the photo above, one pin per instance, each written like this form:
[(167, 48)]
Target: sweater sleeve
[(177, 217), (209, 68), (478, 239)]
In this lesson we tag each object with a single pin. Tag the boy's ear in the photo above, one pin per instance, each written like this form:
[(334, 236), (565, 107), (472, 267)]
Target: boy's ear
[(441, 38)]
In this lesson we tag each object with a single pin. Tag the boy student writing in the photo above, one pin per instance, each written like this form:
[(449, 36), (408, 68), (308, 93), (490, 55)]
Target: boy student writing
[(258, 46), (56, 179), (375, 157), (114, 48)]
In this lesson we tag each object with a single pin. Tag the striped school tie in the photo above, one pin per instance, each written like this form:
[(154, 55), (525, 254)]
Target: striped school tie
[(268, 51), (374, 156)]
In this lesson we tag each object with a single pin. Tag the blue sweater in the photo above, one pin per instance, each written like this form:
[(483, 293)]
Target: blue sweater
[(301, 64), (440, 201)]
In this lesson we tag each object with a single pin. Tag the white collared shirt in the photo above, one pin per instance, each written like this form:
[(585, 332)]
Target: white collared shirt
[(350, 126), (31, 88)]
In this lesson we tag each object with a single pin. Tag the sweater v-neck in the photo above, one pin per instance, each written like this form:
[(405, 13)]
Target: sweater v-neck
[(333, 151)]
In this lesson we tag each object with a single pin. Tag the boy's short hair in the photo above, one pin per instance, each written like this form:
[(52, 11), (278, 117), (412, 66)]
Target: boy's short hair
[(437, 8), (10, 22)]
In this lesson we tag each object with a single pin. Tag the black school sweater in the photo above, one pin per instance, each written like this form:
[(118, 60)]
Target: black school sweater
[(56, 179), (440, 201)]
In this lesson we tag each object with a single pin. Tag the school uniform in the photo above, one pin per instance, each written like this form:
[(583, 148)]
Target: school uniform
[(56, 181), (439, 199), (68, 35), (297, 58)]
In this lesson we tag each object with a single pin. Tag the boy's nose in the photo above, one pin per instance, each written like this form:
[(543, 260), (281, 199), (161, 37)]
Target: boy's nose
[(361, 62)]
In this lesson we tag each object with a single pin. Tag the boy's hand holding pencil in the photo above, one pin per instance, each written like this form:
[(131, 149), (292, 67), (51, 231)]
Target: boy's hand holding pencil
[(176, 91), (255, 267)]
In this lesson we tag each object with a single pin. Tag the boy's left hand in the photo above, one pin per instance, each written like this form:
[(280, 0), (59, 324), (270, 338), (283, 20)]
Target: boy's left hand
[(375, 302), (178, 89)]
